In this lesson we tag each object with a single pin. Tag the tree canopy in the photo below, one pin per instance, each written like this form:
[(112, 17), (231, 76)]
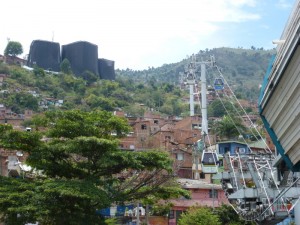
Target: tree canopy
[(223, 214), (65, 66), (199, 216), (229, 127), (218, 108), (81, 169), (13, 48)]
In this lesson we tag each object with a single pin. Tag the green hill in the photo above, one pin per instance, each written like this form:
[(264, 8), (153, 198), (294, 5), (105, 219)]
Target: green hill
[(242, 68), (157, 89)]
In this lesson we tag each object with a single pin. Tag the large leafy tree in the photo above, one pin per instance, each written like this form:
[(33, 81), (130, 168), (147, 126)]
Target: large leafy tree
[(228, 216), (65, 66), (218, 108), (82, 170), (199, 216), (13, 48), (224, 215), (20, 101), (229, 127), (89, 77)]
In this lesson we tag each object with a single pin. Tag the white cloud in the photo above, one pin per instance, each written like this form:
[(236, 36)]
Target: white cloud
[(284, 4), (251, 3), (134, 33)]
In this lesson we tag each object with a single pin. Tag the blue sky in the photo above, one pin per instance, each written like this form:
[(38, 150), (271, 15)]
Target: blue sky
[(138, 34)]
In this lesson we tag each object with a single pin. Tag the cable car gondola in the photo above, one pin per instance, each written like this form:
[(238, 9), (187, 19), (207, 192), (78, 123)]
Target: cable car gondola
[(209, 162), (219, 84)]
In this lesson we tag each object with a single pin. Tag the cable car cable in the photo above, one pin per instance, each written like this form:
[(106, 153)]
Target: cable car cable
[(221, 75)]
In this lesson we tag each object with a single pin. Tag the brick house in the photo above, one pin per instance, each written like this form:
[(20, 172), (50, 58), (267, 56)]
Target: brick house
[(2, 79), (202, 194), (177, 136), (15, 60)]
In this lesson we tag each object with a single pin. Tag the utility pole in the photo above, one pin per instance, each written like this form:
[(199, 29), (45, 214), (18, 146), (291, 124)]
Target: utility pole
[(138, 214)]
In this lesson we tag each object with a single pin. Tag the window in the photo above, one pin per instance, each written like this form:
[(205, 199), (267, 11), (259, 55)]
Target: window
[(202, 175), (178, 213), (221, 162), (179, 156), (226, 149), (155, 121), (130, 134), (213, 193), (171, 214), (144, 127), (242, 150), (235, 164), (196, 126), (167, 137)]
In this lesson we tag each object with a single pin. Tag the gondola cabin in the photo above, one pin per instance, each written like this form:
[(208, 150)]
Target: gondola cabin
[(209, 162), (219, 84)]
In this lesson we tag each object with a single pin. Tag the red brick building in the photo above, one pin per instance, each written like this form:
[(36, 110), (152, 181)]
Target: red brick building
[(202, 194), (178, 137)]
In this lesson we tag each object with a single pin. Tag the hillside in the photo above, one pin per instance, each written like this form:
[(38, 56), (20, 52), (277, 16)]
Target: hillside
[(242, 68), (133, 91)]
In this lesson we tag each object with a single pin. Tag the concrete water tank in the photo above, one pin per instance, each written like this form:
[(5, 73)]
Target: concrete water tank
[(82, 56), (44, 54), (106, 69)]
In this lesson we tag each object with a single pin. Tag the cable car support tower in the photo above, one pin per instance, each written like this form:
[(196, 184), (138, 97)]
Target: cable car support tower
[(205, 159)]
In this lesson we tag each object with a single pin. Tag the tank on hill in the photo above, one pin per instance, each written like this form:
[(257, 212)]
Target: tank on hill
[(44, 54), (82, 56), (106, 69)]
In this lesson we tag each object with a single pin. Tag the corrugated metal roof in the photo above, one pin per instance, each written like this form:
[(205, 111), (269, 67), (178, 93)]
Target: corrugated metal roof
[(199, 184)]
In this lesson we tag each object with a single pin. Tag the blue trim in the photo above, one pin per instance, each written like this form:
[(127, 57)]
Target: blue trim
[(277, 144), (265, 80)]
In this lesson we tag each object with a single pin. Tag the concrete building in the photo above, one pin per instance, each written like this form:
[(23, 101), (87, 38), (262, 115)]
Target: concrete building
[(44, 54), (82, 55)]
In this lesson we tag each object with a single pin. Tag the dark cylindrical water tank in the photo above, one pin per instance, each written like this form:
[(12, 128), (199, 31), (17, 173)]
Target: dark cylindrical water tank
[(106, 69), (82, 56), (44, 54)]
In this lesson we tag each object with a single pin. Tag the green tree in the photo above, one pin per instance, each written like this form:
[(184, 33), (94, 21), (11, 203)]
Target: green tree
[(83, 170), (107, 87), (229, 127), (228, 216), (20, 101), (134, 110), (39, 72), (4, 69), (89, 77), (13, 48), (218, 108), (100, 102), (65, 66), (199, 216)]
